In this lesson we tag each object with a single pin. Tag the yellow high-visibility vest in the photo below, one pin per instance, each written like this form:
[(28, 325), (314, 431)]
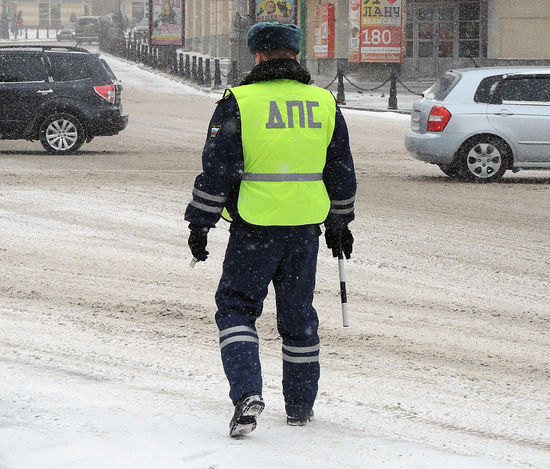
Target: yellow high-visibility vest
[(286, 127)]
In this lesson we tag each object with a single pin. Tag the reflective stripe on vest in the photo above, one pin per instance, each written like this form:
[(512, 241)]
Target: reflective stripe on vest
[(286, 127)]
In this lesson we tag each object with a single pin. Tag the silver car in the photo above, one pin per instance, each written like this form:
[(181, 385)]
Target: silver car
[(477, 123)]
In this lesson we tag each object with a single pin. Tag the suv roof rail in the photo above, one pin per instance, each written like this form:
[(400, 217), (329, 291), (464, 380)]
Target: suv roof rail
[(31, 46)]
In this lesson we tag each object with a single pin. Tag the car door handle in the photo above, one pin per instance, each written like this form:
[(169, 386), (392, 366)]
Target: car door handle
[(504, 112), (45, 91)]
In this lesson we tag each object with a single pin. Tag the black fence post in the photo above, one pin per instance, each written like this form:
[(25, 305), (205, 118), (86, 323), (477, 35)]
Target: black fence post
[(181, 70), (234, 73), (207, 78), (200, 74), (217, 74), (37, 32), (194, 68), (340, 95), (392, 100), (187, 70), (26, 33)]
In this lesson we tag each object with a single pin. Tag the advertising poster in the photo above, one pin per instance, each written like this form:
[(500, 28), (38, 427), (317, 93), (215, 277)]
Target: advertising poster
[(380, 35), (270, 10), (354, 29), (324, 32), (167, 19)]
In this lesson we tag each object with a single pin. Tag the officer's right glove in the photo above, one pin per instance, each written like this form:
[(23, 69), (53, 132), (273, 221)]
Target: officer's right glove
[(340, 241), (197, 242)]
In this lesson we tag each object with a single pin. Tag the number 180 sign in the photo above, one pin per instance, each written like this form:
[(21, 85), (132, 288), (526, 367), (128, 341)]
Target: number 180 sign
[(376, 31)]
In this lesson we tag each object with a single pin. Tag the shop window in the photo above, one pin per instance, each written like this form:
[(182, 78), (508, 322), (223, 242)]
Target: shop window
[(468, 11), (468, 30), (446, 14), (445, 49), (446, 31), (425, 49), (425, 14), (468, 49), (426, 31)]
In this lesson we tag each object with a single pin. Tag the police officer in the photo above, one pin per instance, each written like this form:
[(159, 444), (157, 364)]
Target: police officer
[(277, 162)]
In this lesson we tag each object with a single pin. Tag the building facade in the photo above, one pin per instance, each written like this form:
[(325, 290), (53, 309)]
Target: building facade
[(437, 34)]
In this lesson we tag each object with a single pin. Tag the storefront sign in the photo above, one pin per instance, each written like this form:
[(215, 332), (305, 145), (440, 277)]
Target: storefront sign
[(270, 10), (324, 32), (167, 19), (376, 31)]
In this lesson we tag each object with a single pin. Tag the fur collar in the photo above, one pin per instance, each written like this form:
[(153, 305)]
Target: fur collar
[(277, 69)]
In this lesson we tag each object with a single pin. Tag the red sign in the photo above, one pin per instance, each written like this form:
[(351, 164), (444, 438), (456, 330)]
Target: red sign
[(324, 32), (376, 31)]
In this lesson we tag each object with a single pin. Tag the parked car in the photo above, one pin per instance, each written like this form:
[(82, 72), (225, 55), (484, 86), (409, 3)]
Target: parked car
[(87, 29), (477, 123), (141, 30), (67, 33), (62, 96)]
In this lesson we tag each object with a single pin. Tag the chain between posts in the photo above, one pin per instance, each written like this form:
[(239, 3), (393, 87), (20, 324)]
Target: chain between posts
[(407, 88), (367, 89)]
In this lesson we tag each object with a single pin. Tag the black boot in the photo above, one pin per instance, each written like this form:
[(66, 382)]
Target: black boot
[(300, 420), (247, 410)]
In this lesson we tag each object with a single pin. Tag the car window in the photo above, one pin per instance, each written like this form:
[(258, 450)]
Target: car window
[(486, 88), (87, 21), (68, 67), (21, 68), (441, 88), (526, 89)]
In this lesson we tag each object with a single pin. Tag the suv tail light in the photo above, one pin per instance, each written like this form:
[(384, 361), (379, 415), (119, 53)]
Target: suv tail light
[(438, 119), (107, 92)]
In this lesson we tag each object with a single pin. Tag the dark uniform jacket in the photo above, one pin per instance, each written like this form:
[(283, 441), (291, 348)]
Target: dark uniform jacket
[(222, 161)]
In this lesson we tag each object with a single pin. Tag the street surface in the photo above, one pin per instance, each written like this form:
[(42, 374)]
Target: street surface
[(106, 332)]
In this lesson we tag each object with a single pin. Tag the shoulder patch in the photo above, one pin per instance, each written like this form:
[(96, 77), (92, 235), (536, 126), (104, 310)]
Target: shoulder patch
[(214, 131)]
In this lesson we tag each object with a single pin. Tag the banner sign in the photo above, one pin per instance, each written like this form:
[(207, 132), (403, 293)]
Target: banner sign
[(376, 31), (167, 20), (324, 32), (281, 11)]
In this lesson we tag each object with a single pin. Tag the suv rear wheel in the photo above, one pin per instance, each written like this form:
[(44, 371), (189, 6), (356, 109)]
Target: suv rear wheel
[(61, 133), (484, 158)]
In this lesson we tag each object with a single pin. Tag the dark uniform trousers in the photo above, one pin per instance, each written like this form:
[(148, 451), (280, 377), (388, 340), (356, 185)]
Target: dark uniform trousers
[(254, 258)]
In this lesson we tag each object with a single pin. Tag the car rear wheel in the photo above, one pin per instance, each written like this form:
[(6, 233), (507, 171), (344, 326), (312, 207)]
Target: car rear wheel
[(484, 159), (61, 134)]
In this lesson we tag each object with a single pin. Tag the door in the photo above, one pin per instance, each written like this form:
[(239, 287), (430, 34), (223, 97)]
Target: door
[(444, 34), (24, 87), (520, 110), (436, 38)]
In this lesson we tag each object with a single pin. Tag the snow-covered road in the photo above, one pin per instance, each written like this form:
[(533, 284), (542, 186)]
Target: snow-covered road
[(108, 350)]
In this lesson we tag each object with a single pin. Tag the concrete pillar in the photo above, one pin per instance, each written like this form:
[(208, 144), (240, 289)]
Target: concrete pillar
[(205, 27)]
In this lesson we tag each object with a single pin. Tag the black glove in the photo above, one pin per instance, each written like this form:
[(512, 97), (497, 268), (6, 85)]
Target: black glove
[(197, 242), (340, 241)]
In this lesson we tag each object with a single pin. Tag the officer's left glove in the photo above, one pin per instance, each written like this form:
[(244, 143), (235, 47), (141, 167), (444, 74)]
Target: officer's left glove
[(340, 241), (198, 238)]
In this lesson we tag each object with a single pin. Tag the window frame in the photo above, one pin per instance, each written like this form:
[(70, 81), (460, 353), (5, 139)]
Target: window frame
[(39, 56), (496, 97)]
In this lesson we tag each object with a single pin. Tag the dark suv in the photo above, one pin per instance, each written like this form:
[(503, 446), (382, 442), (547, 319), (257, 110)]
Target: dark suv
[(60, 95)]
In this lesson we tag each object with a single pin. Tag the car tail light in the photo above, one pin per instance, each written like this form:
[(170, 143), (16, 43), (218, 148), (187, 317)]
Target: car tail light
[(437, 120), (107, 92)]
